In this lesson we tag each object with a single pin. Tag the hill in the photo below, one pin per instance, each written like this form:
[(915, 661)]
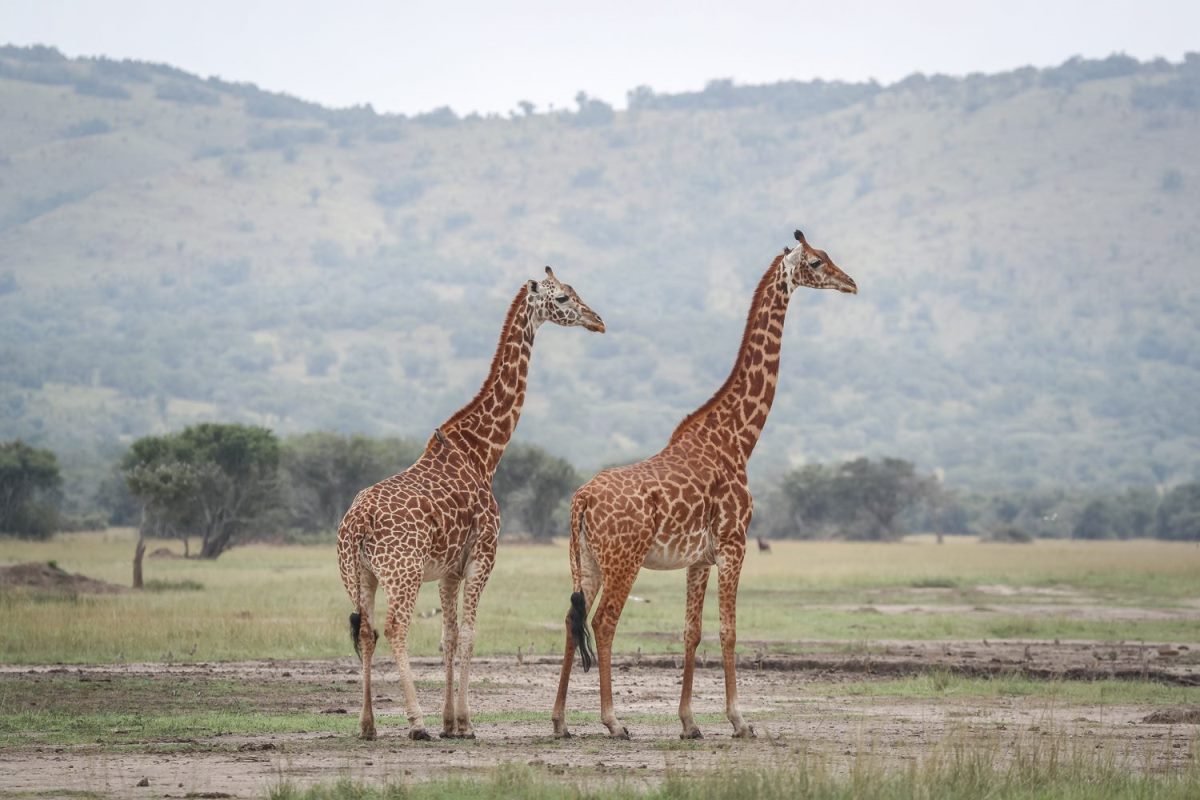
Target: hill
[(175, 249)]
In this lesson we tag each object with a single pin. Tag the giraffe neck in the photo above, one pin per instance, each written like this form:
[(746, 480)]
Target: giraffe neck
[(483, 426), (734, 418)]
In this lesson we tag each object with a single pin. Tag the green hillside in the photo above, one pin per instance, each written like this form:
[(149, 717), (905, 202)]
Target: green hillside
[(175, 249)]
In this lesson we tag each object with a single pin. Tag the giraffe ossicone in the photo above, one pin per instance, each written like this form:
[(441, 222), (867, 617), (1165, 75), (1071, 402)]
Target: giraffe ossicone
[(688, 507), (438, 519)]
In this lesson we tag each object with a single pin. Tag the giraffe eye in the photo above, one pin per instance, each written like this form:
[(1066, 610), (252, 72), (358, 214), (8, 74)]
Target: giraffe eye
[(816, 264), (562, 298)]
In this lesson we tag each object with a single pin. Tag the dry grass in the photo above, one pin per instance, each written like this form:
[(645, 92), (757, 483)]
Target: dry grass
[(263, 601)]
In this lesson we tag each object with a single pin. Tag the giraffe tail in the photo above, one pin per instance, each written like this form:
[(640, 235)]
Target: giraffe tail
[(354, 531), (577, 616)]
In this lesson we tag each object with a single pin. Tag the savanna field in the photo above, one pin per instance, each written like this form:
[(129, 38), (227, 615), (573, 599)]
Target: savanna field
[(1055, 669)]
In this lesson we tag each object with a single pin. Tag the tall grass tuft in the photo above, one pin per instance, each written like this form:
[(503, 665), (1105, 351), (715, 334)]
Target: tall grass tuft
[(1033, 770)]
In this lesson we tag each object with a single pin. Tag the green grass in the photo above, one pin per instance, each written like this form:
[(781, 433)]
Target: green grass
[(263, 601), (1030, 772), (944, 684)]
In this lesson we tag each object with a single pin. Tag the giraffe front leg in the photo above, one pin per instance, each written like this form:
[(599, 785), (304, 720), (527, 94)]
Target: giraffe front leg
[(697, 583), (402, 598), (449, 595), (729, 568)]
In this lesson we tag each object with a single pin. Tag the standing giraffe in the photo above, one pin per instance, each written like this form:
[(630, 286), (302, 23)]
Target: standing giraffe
[(689, 506), (438, 519)]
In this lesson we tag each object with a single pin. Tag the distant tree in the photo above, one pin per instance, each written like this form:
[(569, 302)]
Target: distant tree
[(323, 471), (592, 112), (527, 108), (211, 480), (1179, 513), (117, 502), (1102, 518), (532, 485), (29, 486), (187, 94), (860, 499)]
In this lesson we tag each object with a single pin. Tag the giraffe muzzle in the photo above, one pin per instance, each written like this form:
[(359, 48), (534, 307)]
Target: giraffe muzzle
[(593, 323)]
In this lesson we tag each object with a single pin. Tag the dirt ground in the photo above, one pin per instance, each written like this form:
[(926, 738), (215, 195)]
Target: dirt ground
[(788, 699)]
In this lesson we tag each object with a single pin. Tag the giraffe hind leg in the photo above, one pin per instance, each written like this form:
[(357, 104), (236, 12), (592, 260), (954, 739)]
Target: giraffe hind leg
[(355, 627), (362, 625), (402, 587), (589, 588)]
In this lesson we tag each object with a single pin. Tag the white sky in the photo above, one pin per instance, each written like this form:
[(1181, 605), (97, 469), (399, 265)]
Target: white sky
[(413, 55)]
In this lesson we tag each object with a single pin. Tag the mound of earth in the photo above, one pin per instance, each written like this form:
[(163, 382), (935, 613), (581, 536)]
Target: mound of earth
[(1181, 715), (163, 552), (51, 577)]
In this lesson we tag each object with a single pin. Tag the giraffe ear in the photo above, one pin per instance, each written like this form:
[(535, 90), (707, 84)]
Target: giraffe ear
[(786, 249), (533, 287)]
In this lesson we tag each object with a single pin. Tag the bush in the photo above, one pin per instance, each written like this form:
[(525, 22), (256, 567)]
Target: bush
[(1008, 534), (87, 127), (187, 94), (91, 521), (94, 88)]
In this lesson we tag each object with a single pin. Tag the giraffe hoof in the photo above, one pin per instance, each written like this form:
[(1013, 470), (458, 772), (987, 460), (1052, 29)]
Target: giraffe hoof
[(694, 733), (447, 735), (563, 734), (470, 735), (746, 733), (420, 735), (624, 734)]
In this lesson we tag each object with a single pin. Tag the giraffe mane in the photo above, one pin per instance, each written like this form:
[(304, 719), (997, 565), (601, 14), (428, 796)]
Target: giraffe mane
[(699, 414), (514, 308)]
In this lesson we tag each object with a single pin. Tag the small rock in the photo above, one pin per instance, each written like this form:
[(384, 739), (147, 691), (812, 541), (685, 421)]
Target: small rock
[(143, 782)]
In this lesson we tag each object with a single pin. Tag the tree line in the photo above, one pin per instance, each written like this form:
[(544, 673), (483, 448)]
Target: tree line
[(223, 484)]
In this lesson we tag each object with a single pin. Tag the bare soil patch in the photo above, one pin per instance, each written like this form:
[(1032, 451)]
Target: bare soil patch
[(787, 699), (49, 577)]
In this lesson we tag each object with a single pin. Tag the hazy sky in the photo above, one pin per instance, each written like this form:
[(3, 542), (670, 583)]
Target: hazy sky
[(411, 56)]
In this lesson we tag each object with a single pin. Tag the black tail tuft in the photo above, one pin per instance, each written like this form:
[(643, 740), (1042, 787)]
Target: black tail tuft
[(355, 628), (355, 625), (579, 631)]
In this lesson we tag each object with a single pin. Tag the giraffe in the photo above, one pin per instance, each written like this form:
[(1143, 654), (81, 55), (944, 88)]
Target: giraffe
[(688, 506), (438, 519)]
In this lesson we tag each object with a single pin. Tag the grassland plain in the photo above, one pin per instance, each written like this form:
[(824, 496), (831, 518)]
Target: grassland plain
[(263, 601), (235, 677)]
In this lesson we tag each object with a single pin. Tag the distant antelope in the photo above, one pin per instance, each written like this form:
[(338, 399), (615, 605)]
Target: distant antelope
[(763, 545)]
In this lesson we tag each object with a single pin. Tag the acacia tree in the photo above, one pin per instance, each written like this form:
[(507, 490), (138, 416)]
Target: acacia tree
[(29, 484), (212, 480), (860, 499)]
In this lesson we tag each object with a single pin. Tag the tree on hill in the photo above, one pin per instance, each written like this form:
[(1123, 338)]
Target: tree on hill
[(29, 486), (211, 480)]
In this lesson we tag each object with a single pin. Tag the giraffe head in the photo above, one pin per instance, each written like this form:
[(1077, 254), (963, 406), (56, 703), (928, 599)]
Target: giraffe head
[(554, 301), (804, 265)]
